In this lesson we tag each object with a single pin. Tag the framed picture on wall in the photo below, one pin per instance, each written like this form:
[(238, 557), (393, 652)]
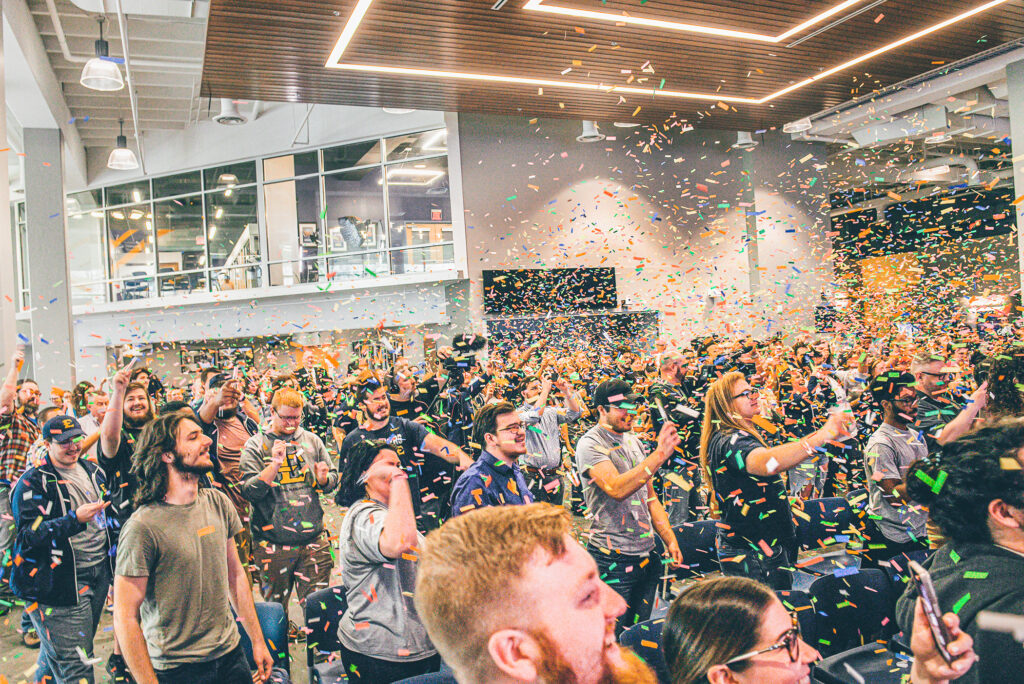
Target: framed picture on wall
[(194, 360), (308, 235), (229, 357)]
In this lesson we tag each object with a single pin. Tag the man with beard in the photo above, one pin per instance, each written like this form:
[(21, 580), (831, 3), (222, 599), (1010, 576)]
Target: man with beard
[(940, 418), (429, 478), (177, 568), (129, 411), (617, 487), (894, 524), (494, 479), (508, 595), (18, 431), (543, 423)]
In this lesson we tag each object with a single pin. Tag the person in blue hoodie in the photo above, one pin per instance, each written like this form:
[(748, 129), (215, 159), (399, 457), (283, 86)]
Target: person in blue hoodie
[(62, 550)]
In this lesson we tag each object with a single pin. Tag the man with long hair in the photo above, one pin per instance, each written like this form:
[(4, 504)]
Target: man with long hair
[(757, 536), (508, 595), (178, 568)]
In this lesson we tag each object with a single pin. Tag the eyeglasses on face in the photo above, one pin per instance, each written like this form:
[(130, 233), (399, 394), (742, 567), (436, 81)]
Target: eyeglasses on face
[(513, 427), (789, 641), (746, 393), (289, 419), (909, 401), (944, 376)]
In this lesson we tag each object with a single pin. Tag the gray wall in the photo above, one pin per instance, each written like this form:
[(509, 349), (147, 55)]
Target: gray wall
[(668, 210)]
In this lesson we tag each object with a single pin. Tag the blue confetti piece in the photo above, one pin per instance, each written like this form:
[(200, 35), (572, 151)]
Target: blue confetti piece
[(43, 340), (844, 572), (54, 215), (115, 60), (842, 538)]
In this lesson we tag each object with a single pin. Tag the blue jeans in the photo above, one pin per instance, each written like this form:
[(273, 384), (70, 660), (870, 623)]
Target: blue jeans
[(63, 630), (744, 560), (230, 668), (636, 584)]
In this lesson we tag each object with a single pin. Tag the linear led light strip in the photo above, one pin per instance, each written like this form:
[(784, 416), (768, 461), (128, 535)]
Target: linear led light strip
[(333, 62), (538, 6)]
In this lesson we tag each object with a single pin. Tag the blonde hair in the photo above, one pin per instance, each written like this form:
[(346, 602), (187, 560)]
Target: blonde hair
[(467, 579), (720, 415), (287, 397)]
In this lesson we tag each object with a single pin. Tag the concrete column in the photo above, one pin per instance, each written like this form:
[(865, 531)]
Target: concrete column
[(52, 334), (8, 281), (1015, 89)]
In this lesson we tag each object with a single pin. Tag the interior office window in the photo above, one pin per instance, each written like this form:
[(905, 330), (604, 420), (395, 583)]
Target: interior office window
[(86, 263), (19, 229), (178, 184), (424, 144), (290, 166), (420, 211), (354, 223), (85, 201), (181, 244), (129, 193), (130, 246), (227, 176), (294, 236), (347, 156), (233, 239)]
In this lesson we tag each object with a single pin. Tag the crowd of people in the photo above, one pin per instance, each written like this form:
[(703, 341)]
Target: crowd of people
[(510, 509)]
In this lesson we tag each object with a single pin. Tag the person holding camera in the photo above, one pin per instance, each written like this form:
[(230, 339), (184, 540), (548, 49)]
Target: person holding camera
[(543, 423), (284, 471)]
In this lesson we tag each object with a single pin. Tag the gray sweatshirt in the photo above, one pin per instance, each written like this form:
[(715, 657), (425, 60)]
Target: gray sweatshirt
[(289, 511)]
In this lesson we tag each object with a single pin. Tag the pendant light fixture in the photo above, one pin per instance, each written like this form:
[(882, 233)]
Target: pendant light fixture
[(101, 72), (121, 158)]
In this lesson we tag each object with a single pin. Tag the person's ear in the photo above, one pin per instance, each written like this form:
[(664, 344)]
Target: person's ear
[(1001, 514), (515, 653), (167, 457), (721, 674)]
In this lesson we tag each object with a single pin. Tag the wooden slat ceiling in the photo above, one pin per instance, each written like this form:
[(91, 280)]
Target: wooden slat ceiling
[(276, 50)]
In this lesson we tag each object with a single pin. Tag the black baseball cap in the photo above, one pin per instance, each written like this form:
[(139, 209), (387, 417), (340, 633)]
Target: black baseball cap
[(615, 393), (62, 429)]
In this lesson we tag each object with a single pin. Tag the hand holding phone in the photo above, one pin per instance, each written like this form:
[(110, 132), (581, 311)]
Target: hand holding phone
[(932, 611)]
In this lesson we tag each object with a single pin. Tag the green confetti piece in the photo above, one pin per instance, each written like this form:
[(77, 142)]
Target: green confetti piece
[(961, 603), (974, 574), (939, 481), (323, 214), (954, 556), (925, 477)]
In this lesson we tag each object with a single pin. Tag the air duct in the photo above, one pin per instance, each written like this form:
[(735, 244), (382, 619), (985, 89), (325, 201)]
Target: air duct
[(590, 133), (229, 114), (942, 169), (744, 141)]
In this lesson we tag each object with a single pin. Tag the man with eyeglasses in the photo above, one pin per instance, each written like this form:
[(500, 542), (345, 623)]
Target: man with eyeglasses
[(940, 418), (494, 479), (620, 498), (894, 524), (284, 472)]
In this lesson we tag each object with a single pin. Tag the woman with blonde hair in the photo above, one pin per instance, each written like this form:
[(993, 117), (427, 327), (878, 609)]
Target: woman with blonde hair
[(756, 535)]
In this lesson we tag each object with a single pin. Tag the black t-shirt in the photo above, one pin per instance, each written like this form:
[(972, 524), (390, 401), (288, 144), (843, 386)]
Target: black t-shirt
[(120, 482), (683, 409), (932, 416), (754, 508), (409, 409)]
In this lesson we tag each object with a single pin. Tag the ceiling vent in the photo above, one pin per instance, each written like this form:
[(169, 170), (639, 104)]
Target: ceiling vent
[(229, 114), (590, 133)]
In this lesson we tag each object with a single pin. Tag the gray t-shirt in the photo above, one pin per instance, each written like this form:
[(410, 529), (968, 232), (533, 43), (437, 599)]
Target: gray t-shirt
[(623, 526), (888, 456), (380, 620), (186, 615), (90, 546)]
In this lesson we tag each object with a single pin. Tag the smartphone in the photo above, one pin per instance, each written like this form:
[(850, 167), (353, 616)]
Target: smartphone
[(290, 449), (661, 410), (932, 611)]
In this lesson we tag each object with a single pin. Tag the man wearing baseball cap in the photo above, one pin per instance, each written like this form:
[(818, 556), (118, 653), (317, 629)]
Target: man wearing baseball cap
[(617, 489), (61, 549)]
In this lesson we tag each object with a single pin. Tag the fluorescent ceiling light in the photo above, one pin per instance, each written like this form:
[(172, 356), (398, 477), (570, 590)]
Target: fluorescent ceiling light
[(334, 62), (118, 215), (136, 195), (136, 214), (220, 212), (228, 179), (623, 18), (429, 176), (625, 124)]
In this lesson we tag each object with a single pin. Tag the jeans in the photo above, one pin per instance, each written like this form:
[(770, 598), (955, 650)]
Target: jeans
[(231, 668), (744, 560), (633, 579), (63, 630), (545, 484), (363, 668)]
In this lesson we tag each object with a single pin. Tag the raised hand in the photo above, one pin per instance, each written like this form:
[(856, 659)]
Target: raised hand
[(87, 512)]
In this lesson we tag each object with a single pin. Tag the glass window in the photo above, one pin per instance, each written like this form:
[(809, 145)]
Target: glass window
[(178, 184), (293, 230), (129, 193), (86, 264), (234, 239), (181, 244), (130, 240), (355, 211), (230, 175), (85, 201), (290, 166), (417, 145), (420, 259), (356, 154), (419, 206)]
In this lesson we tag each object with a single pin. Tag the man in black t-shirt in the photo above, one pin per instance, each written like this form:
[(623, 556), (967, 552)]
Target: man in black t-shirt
[(430, 479), (938, 417)]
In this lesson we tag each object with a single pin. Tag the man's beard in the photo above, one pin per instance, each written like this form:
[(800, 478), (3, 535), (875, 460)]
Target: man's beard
[(555, 669), (137, 424), (187, 469)]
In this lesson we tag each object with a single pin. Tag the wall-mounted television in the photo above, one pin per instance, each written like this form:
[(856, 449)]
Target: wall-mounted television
[(543, 290)]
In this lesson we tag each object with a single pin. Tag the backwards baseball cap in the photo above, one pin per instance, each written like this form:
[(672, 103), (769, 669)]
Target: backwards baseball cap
[(62, 429), (615, 393)]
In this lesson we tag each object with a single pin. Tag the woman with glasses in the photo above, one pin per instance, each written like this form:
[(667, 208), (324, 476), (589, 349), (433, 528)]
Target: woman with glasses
[(732, 630), (756, 538)]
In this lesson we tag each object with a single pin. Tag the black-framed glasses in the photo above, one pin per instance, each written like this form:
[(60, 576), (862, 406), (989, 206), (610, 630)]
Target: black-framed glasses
[(789, 641), (289, 418), (746, 393), (945, 376), (514, 427), (909, 401)]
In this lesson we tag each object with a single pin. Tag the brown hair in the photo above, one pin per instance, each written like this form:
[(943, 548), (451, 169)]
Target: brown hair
[(712, 622), (160, 436), (485, 422), (719, 414), (287, 397), (466, 582)]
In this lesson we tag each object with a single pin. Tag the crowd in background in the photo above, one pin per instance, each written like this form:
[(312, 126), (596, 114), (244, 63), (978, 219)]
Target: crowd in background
[(631, 443)]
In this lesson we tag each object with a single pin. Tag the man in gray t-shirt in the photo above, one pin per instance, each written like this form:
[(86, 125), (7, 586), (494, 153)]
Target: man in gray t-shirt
[(620, 499), (890, 452)]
